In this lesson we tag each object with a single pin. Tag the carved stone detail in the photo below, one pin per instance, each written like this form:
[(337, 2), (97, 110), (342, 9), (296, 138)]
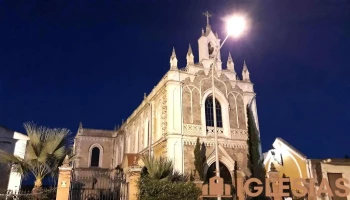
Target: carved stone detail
[(164, 112), (191, 129), (239, 134), (210, 131), (96, 139), (232, 144)]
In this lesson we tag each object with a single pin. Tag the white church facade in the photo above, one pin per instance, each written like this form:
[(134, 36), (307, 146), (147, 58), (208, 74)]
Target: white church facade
[(178, 111)]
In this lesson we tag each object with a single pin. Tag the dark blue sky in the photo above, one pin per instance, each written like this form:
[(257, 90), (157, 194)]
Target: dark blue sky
[(65, 61)]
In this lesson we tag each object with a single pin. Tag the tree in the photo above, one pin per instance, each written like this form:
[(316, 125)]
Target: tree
[(45, 152), (199, 159), (255, 162), (159, 181), (157, 169)]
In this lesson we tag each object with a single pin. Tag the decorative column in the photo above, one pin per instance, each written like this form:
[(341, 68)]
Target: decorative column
[(133, 176), (64, 180)]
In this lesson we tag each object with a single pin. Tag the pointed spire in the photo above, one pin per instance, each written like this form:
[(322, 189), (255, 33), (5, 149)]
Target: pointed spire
[(245, 72), (144, 95), (173, 54), (202, 32), (80, 125), (65, 162), (189, 56), (216, 35), (189, 50), (245, 68), (173, 60), (229, 56), (230, 65)]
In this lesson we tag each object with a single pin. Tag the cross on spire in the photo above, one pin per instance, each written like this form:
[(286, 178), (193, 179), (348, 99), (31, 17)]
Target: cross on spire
[(207, 14)]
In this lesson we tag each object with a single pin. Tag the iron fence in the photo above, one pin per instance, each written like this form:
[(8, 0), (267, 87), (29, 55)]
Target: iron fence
[(46, 194), (98, 184)]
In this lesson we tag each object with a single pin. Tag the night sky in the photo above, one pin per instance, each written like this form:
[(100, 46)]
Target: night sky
[(66, 61)]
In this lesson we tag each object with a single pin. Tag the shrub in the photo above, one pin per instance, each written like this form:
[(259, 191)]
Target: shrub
[(151, 189)]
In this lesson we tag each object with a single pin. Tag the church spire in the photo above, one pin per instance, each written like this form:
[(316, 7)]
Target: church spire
[(208, 27), (245, 73), (230, 64), (189, 56), (173, 60)]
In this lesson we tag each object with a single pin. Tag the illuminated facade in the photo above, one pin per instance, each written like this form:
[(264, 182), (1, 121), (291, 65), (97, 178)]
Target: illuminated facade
[(177, 112)]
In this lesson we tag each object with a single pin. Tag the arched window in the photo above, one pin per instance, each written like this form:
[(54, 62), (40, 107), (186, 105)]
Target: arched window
[(209, 112), (95, 157)]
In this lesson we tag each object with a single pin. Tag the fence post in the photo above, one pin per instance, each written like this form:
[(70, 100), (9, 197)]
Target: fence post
[(133, 176), (64, 180)]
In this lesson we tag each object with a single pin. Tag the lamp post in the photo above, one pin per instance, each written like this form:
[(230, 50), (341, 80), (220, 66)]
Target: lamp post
[(235, 27)]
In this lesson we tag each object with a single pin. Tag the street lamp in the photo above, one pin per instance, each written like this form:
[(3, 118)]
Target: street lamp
[(236, 25)]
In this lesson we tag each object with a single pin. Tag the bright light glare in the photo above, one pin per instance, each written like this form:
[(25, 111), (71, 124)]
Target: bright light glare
[(236, 26)]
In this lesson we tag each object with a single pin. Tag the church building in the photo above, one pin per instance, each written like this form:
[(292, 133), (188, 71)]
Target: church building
[(179, 110)]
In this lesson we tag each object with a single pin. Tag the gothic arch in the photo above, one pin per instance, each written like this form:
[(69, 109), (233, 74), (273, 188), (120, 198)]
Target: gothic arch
[(229, 164), (215, 78), (226, 169), (191, 102), (100, 154), (224, 110)]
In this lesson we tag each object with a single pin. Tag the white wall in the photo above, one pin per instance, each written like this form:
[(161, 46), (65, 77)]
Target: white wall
[(15, 143)]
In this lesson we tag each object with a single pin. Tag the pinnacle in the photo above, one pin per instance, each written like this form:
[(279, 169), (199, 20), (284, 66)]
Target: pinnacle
[(189, 52), (173, 53), (229, 56), (245, 68)]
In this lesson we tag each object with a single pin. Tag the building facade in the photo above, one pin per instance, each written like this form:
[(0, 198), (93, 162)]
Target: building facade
[(178, 111), (14, 143), (288, 161), (330, 170)]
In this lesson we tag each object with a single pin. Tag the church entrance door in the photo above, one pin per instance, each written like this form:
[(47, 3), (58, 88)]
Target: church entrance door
[(224, 173)]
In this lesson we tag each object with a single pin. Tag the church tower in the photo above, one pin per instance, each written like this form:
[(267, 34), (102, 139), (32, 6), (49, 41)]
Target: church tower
[(209, 46), (177, 111)]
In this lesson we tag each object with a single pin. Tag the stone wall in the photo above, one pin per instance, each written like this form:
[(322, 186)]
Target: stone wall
[(189, 158), (84, 144), (192, 98), (241, 158)]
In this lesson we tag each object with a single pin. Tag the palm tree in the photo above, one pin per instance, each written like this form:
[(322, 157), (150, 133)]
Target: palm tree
[(45, 152), (158, 169)]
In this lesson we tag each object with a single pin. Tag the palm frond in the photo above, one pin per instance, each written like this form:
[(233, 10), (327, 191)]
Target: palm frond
[(159, 168), (45, 151), (57, 138), (30, 152), (17, 164)]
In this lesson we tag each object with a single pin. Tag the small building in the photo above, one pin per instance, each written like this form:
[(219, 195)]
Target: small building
[(15, 143), (288, 161), (291, 163), (330, 169)]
